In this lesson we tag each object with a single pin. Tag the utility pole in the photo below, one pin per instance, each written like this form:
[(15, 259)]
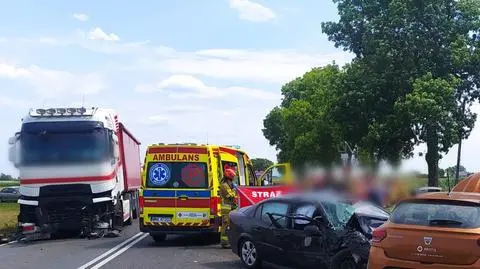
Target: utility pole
[(459, 152)]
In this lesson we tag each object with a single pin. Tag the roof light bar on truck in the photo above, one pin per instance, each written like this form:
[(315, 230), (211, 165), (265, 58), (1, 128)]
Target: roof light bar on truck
[(41, 112), (59, 112), (71, 110)]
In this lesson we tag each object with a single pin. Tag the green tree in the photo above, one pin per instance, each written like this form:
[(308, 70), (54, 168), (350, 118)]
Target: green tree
[(261, 164), (5, 177), (406, 48), (451, 170), (301, 128), (441, 172), (430, 107)]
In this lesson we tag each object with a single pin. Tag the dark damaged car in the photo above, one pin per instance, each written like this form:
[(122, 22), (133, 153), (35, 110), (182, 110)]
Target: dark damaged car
[(315, 230)]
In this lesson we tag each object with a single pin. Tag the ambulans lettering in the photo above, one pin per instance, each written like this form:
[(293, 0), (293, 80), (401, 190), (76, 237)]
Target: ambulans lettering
[(176, 157), (266, 194)]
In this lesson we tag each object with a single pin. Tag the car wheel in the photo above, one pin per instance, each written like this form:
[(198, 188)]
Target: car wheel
[(249, 254), (158, 238), (344, 260)]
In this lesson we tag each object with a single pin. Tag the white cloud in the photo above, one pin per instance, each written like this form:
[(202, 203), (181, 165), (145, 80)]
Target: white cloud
[(50, 82), (252, 11), (146, 88), (80, 16), (187, 86), (157, 120), (98, 34), (271, 66)]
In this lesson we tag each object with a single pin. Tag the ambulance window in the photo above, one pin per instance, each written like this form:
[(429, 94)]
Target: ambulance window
[(177, 175), (233, 166), (241, 165)]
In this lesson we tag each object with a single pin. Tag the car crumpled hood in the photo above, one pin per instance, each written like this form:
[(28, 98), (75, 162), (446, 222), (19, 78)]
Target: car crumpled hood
[(366, 209), (359, 229)]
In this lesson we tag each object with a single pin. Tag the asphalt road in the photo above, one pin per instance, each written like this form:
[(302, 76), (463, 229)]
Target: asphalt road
[(131, 250)]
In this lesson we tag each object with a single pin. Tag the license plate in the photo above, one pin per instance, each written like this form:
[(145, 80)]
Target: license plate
[(161, 219), (191, 215)]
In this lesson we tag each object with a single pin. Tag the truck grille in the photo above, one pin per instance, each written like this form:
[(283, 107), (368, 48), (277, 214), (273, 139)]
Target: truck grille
[(61, 213)]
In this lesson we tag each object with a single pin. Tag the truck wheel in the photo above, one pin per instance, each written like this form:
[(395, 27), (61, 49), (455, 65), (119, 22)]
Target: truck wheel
[(158, 238), (135, 208), (130, 219)]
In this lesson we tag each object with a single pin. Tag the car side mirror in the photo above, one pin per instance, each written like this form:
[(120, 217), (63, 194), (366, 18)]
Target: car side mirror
[(312, 230)]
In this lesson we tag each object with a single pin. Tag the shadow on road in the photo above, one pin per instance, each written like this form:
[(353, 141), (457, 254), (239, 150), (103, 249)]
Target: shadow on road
[(237, 264), (184, 241), (224, 264), (59, 237)]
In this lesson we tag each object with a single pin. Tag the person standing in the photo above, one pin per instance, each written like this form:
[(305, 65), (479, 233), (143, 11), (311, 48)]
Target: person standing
[(228, 197)]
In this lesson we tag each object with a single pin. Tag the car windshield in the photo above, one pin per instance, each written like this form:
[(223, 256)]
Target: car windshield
[(338, 213), (438, 213), (64, 142)]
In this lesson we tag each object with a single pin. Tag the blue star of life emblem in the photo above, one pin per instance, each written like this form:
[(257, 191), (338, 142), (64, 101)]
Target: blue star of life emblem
[(159, 174)]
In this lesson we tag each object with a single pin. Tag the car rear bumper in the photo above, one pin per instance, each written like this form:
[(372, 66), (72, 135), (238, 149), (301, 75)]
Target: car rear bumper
[(378, 260)]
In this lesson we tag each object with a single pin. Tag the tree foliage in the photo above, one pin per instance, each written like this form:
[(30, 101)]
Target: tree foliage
[(5, 177), (301, 128), (418, 63), (261, 164), (452, 170)]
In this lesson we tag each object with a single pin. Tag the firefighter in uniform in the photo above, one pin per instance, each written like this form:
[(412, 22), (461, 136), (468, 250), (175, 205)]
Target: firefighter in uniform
[(228, 196)]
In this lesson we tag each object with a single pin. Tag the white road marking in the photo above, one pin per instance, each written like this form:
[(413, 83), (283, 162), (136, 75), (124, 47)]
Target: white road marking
[(8, 243), (102, 263), (110, 251)]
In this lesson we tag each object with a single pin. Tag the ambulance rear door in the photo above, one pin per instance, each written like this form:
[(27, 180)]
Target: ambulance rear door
[(178, 178)]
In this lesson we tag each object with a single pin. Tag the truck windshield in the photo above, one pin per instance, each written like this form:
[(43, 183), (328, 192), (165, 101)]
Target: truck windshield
[(44, 143), (177, 175)]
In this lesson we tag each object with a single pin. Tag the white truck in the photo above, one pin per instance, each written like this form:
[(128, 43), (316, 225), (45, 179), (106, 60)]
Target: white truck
[(79, 170)]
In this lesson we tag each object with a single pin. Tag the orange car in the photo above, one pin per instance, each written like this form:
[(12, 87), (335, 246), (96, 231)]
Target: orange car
[(434, 230)]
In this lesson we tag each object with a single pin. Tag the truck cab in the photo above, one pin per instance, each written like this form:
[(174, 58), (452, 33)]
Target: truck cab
[(79, 169)]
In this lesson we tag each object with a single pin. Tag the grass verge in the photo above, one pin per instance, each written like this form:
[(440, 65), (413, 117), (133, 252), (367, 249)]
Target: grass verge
[(8, 218), (4, 184)]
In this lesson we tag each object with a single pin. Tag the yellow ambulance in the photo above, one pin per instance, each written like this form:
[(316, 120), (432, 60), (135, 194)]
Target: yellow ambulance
[(180, 187)]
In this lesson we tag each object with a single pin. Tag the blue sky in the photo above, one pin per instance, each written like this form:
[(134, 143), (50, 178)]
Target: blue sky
[(176, 71)]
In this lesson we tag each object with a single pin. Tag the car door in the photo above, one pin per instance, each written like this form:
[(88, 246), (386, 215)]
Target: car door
[(266, 235), (305, 250), (13, 195), (6, 194)]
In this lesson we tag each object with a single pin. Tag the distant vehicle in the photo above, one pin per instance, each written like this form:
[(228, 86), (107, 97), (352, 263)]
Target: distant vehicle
[(313, 230), (434, 230), (9, 194), (79, 169), (427, 189)]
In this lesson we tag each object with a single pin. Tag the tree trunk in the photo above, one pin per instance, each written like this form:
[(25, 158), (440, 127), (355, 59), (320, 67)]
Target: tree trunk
[(432, 157)]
